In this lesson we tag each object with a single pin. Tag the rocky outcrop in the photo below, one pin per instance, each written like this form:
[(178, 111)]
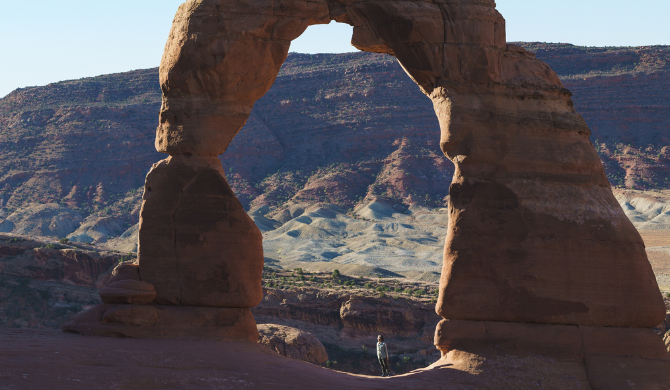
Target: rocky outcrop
[(292, 342), (348, 323), (343, 310), (386, 316), (568, 356), (49, 262)]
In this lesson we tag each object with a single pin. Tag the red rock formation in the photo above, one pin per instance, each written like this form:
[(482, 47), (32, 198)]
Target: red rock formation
[(197, 245), (536, 235), (292, 342)]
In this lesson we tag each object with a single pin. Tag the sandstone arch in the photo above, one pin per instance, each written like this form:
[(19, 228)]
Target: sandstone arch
[(536, 236), (507, 124)]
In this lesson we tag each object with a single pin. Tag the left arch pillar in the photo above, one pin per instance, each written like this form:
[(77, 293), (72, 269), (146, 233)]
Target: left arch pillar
[(197, 245)]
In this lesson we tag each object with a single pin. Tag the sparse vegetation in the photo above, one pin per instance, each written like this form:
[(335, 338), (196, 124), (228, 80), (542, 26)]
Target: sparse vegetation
[(280, 279)]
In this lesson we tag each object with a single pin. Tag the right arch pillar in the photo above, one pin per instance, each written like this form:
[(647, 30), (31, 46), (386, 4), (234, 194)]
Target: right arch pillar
[(535, 233), (539, 257)]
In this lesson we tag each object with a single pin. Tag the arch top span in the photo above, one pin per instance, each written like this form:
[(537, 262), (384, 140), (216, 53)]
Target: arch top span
[(222, 56), (528, 182)]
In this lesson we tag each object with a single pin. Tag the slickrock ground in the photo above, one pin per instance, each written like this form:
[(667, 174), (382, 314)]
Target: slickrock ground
[(37, 360)]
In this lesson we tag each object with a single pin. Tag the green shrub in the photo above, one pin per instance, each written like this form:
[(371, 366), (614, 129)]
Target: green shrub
[(368, 285), (336, 274), (64, 240), (51, 246), (298, 271)]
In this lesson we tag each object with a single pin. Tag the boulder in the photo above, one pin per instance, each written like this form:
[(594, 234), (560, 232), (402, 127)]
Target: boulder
[(292, 342), (127, 270)]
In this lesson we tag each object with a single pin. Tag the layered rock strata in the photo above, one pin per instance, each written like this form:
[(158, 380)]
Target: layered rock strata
[(536, 235)]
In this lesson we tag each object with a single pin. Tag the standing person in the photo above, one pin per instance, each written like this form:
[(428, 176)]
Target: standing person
[(383, 355)]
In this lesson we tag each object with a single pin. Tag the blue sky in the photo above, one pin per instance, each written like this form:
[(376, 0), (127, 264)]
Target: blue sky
[(44, 41)]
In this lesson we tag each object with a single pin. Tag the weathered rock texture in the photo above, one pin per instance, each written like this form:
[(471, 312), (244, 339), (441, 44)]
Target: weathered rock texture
[(292, 342), (197, 245)]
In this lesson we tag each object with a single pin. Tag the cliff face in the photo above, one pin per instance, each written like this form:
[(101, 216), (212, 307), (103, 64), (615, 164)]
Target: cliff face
[(358, 313), (333, 128)]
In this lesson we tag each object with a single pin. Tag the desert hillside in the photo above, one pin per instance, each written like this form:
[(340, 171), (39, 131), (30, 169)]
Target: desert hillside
[(348, 131)]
